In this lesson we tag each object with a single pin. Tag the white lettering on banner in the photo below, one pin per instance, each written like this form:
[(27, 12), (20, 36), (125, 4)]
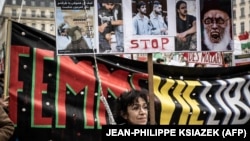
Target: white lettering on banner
[(218, 97), (229, 96), (246, 92), (235, 101), (211, 118)]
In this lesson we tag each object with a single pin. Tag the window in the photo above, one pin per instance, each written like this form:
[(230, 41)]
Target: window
[(33, 3), (23, 13), (249, 25), (242, 12), (51, 27), (43, 14), (234, 14), (14, 14), (234, 29), (242, 27), (42, 4), (33, 13), (24, 2), (33, 25), (242, 2), (43, 27), (51, 4), (14, 2), (51, 14), (234, 2)]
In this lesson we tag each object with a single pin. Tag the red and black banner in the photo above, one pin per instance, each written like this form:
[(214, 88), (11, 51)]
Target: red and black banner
[(58, 97)]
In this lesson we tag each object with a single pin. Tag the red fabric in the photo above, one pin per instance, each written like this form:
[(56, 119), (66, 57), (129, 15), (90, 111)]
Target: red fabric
[(244, 36)]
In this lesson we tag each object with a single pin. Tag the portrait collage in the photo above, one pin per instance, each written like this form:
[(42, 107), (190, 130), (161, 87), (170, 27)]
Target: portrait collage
[(142, 26)]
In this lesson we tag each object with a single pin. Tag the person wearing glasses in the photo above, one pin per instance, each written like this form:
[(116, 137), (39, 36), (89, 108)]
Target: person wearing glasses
[(159, 27), (216, 21), (185, 28)]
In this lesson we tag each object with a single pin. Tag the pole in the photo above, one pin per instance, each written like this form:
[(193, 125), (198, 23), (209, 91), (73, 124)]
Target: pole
[(20, 12), (151, 89), (7, 56)]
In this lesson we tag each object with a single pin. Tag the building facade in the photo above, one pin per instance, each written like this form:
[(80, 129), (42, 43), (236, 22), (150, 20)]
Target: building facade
[(241, 17), (40, 14), (34, 13)]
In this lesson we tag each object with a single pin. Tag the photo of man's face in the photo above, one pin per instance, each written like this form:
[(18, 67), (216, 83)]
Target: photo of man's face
[(182, 9), (143, 9), (216, 24)]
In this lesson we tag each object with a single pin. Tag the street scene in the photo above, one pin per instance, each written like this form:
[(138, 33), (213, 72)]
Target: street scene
[(96, 70)]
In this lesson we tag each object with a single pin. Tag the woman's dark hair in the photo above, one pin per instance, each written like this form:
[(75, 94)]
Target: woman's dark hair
[(126, 99)]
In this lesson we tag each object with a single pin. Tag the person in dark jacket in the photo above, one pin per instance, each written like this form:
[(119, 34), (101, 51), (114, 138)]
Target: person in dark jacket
[(6, 125)]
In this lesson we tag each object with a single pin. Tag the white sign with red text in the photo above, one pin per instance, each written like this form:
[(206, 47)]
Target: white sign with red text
[(212, 58)]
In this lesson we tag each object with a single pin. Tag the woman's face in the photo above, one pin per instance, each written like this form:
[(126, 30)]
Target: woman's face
[(137, 114)]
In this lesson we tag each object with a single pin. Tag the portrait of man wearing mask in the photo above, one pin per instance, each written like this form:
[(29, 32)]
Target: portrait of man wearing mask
[(216, 25)]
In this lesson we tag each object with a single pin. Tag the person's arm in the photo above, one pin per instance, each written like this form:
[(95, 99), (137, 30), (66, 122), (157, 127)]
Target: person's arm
[(4, 102), (101, 28), (6, 126), (192, 29), (164, 30), (189, 31), (117, 22), (117, 14)]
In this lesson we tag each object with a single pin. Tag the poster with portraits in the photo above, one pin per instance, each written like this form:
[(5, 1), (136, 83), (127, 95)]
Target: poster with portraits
[(75, 27), (145, 26), (186, 25), (142, 26), (151, 28)]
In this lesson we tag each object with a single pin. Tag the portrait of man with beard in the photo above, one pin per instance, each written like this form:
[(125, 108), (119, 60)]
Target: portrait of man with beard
[(216, 25)]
